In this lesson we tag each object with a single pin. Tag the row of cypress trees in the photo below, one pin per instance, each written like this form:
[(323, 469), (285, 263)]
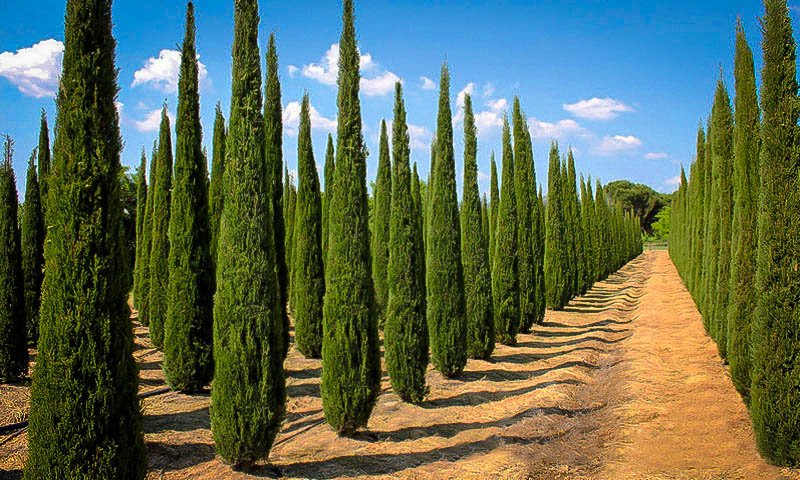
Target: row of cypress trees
[(735, 237), (439, 300)]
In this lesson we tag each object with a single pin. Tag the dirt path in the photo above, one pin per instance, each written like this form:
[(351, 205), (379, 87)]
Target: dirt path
[(622, 384)]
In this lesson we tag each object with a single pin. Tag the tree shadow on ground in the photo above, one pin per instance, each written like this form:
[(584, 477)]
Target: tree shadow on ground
[(154, 365), (471, 399), (305, 374), (197, 419), (304, 390), (167, 457), (524, 358), (388, 464), (585, 331), (502, 375), (573, 309), (601, 323), (577, 341)]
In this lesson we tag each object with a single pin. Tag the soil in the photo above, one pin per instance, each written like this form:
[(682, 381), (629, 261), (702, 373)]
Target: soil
[(622, 384)]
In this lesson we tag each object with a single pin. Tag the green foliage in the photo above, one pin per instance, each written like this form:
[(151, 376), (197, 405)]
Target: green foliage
[(775, 388), (157, 301), (215, 190), (380, 228), (661, 226), (406, 330), (494, 206), (330, 168), (446, 314), (351, 369), (744, 231), (13, 345), (641, 199), (44, 160), (188, 327), (558, 287), (141, 213), (309, 278), (290, 207), (32, 231), (475, 250), (273, 134), (505, 281), (526, 211), (248, 398), (146, 242), (85, 420)]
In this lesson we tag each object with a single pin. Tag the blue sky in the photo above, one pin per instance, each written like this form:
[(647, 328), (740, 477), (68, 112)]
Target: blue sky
[(624, 82)]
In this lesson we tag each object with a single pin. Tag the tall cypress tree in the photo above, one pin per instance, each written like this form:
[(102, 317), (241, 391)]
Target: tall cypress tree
[(541, 301), (445, 274), (143, 273), (576, 227), (709, 213), (416, 191), (215, 190), (505, 281), (157, 301), (723, 162), (188, 324), (85, 420), (330, 168), (381, 218), (406, 331), (775, 389), (699, 227), (309, 277), (526, 267), (289, 205), (558, 288), (494, 208), (273, 128), (13, 347), (351, 369), (44, 160), (32, 251), (744, 242), (141, 213), (475, 250), (485, 229), (248, 400)]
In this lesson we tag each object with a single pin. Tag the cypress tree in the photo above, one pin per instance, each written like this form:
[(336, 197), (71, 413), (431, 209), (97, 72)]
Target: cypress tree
[(157, 301), (494, 207), (330, 168), (447, 321), (576, 223), (351, 369), (215, 192), (723, 161), (309, 277), (505, 281), (474, 248), (541, 302), (709, 212), (85, 419), (699, 228), (188, 324), (32, 248), (406, 331), (775, 389), (249, 396), (526, 262), (556, 277), (273, 128), (143, 273), (485, 228), (141, 213), (588, 211), (44, 160), (416, 191), (13, 347), (744, 243), (381, 217), (290, 194)]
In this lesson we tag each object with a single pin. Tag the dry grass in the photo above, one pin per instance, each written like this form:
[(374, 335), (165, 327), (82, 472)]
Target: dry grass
[(598, 391)]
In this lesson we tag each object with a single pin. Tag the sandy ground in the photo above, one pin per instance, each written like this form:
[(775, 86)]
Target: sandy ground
[(623, 384)]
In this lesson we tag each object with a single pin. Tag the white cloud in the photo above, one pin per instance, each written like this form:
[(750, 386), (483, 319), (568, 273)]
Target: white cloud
[(559, 130), (326, 72), (497, 105), (162, 72), (152, 121), (380, 85), (488, 90), (427, 83), (486, 120), (673, 182), (618, 144), (420, 137), (469, 89), (292, 70), (291, 119), (597, 108), (482, 177), (656, 156), (34, 70)]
